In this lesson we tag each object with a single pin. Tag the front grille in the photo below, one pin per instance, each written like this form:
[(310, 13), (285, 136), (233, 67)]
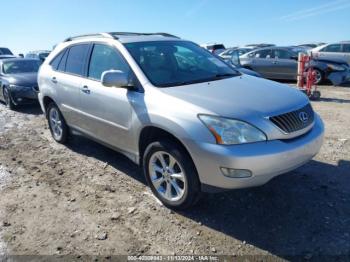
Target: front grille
[(294, 121)]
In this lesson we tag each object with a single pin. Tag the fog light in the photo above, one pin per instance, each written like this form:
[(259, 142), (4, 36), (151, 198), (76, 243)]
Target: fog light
[(236, 173)]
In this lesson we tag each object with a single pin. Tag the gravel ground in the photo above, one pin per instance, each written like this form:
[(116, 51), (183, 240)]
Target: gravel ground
[(85, 199)]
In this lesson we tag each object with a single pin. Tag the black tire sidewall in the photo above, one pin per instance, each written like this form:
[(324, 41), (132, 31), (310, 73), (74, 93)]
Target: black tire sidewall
[(322, 76), (193, 186), (64, 136), (9, 104)]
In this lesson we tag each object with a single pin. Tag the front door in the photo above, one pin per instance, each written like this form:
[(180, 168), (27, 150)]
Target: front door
[(107, 111)]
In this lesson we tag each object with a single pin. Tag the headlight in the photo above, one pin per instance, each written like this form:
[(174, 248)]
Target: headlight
[(230, 131), (336, 67)]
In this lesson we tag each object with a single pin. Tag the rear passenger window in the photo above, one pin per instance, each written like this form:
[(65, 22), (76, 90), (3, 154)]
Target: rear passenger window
[(62, 64), (76, 59), (56, 61), (104, 58), (332, 48), (281, 54)]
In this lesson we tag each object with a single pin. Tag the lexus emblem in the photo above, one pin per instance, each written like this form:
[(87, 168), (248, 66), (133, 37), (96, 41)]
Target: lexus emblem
[(303, 116)]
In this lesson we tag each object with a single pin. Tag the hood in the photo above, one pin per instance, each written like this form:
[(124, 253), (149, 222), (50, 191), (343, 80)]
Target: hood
[(24, 79), (243, 97)]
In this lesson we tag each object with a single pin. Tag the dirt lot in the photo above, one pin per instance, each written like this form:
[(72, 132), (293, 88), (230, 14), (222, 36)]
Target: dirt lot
[(87, 199)]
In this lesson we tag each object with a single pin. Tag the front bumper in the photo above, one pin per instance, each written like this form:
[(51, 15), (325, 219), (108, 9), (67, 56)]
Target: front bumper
[(24, 95), (338, 78), (264, 159)]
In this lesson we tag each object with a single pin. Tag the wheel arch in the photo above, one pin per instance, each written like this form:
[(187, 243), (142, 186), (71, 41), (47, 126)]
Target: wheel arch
[(47, 100), (151, 134)]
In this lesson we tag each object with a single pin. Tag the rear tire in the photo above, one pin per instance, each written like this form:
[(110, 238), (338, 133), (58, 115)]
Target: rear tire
[(8, 100), (57, 124), (171, 174)]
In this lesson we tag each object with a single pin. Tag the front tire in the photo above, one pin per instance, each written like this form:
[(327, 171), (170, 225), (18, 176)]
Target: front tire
[(57, 124), (171, 174), (8, 100)]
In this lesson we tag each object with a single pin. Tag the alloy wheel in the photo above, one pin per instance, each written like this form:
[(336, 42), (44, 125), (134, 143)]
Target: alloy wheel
[(56, 123), (167, 176)]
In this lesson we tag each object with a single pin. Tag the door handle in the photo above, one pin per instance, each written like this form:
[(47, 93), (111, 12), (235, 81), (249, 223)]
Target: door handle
[(274, 62), (54, 80), (86, 90)]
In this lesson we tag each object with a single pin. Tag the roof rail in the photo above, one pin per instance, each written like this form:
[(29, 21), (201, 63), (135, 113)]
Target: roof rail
[(116, 34), (102, 35)]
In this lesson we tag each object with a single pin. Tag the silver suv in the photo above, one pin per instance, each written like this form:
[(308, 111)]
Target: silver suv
[(192, 122)]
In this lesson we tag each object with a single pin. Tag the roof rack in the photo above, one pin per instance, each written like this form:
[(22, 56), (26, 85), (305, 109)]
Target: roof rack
[(117, 35), (102, 35)]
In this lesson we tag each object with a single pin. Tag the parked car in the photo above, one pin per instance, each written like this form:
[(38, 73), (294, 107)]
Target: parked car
[(18, 81), (311, 45), (41, 55), (214, 48), (339, 50), (232, 58), (5, 51), (256, 46), (282, 63), (191, 121)]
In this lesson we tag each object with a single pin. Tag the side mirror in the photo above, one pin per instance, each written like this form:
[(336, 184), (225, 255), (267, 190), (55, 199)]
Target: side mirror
[(21, 55), (115, 78), (294, 57)]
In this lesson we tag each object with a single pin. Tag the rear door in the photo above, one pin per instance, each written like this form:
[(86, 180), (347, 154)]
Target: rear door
[(66, 78), (284, 67), (107, 110)]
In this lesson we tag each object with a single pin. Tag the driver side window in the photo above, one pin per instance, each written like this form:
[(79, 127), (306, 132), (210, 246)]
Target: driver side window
[(104, 58)]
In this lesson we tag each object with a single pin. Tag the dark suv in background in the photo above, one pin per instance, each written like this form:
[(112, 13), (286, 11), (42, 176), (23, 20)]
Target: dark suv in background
[(40, 55)]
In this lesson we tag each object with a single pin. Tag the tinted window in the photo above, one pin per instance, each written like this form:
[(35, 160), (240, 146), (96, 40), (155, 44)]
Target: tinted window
[(263, 53), (346, 48), (5, 51), (76, 59), (56, 61), (281, 54), (104, 58), (332, 48), (62, 65)]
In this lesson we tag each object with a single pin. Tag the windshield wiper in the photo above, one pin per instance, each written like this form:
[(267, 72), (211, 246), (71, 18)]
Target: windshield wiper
[(216, 77), (225, 75)]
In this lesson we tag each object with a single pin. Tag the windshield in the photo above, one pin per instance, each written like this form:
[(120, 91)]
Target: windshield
[(174, 63), (21, 66), (5, 51)]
